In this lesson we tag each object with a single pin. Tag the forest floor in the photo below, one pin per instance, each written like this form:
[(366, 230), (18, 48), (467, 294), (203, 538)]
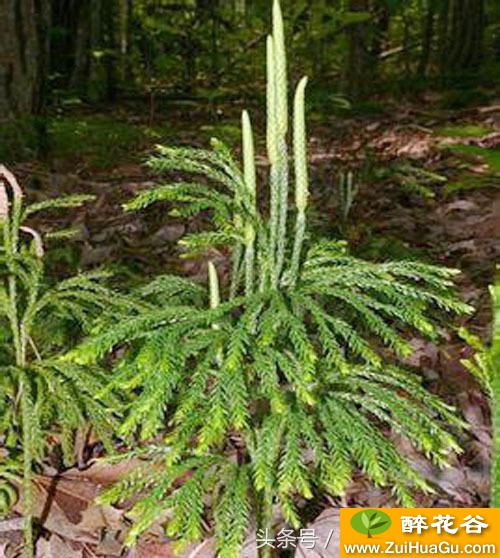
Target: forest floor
[(429, 182)]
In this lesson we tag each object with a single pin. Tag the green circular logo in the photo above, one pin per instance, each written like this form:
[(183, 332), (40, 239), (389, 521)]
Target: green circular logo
[(370, 522)]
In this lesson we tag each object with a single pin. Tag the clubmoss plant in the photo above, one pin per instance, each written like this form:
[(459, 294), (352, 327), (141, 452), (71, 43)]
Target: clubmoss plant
[(41, 392), (347, 190), (495, 401), (279, 387), (485, 366)]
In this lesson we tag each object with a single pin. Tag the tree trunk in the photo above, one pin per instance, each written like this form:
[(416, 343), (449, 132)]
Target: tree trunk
[(382, 20), (358, 66), (24, 52), (81, 47), (94, 68), (462, 39), (427, 36), (214, 46), (123, 30), (406, 42)]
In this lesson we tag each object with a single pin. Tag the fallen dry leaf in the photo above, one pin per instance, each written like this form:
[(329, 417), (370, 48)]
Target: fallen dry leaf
[(65, 506), (151, 550), (57, 547)]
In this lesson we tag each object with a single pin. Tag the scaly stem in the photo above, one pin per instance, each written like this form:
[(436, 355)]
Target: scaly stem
[(300, 229), (280, 130), (235, 269), (249, 173), (282, 179), (301, 176), (263, 259), (213, 282), (265, 521), (249, 259), (27, 413), (273, 222), (272, 156), (214, 292)]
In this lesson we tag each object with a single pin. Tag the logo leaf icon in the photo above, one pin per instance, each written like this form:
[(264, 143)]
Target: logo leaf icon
[(370, 522)]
